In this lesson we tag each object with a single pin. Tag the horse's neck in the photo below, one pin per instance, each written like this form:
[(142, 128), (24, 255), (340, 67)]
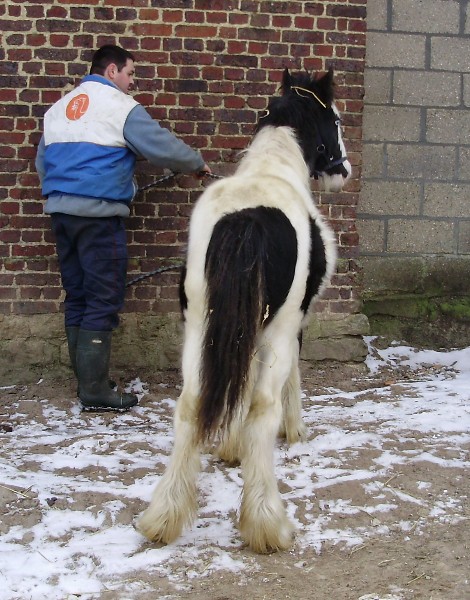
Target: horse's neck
[(275, 151)]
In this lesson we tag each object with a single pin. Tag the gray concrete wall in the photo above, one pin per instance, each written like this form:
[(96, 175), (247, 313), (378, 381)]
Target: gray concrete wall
[(414, 210)]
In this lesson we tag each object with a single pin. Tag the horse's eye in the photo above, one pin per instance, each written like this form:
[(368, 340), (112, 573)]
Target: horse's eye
[(338, 122)]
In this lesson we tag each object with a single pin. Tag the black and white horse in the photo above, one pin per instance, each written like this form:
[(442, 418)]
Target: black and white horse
[(259, 253)]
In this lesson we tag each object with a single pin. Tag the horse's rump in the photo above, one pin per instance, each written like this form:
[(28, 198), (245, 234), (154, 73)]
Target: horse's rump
[(250, 267)]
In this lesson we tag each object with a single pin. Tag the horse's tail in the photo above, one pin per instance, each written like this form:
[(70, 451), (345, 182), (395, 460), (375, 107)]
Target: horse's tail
[(243, 258), (235, 285)]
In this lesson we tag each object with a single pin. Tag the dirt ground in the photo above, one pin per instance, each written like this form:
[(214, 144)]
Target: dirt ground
[(428, 561)]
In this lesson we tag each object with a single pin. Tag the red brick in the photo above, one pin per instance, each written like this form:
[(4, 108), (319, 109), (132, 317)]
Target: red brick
[(282, 21), (9, 208), (217, 17), (9, 236), (14, 11), (7, 293), (238, 18), (36, 250), (36, 39), (35, 11), (194, 16)]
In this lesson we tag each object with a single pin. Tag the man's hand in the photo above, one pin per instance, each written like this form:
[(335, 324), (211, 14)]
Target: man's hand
[(203, 172)]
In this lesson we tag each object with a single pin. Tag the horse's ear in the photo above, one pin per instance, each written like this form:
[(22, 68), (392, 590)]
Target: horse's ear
[(286, 80), (325, 85)]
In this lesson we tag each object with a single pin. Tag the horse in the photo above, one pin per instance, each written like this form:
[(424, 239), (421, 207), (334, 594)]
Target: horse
[(259, 253)]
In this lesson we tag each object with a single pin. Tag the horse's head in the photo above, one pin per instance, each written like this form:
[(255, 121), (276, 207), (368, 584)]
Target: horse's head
[(307, 106)]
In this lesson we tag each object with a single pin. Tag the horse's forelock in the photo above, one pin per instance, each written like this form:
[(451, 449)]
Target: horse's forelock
[(283, 112)]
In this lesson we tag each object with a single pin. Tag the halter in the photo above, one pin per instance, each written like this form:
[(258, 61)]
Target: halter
[(321, 149), (321, 146)]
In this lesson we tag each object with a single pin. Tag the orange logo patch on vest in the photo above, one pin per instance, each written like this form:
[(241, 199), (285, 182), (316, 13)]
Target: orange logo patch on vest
[(77, 107)]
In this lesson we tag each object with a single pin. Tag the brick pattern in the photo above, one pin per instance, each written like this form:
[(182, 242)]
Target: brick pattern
[(416, 179), (205, 67)]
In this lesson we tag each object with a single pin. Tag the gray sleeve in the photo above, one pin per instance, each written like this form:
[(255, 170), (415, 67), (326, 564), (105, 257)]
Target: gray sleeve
[(145, 137), (40, 159)]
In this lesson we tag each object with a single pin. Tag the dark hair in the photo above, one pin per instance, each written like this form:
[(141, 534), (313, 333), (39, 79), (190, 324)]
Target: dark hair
[(109, 54)]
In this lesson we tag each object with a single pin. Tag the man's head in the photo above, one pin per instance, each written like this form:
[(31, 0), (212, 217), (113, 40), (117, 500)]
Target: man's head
[(116, 65)]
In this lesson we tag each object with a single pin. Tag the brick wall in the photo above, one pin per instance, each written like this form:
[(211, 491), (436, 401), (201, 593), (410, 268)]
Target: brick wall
[(414, 216), (204, 69)]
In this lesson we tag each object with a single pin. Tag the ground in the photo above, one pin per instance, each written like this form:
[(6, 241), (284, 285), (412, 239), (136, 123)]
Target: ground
[(379, 493)]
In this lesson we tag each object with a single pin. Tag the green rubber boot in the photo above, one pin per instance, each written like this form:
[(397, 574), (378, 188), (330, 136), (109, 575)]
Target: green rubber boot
[(93, 351), (72, 339)]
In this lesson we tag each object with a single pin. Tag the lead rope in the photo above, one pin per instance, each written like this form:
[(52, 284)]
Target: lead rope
[(171, 176), (154, 272), (177, 265)]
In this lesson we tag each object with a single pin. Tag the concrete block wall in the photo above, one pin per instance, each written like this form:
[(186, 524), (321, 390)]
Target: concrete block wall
[(414, 206)]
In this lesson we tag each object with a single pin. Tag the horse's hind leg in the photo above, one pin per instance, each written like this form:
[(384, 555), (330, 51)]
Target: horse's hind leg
[(293, 428), (174, 501), (228, 449), (264, 524)]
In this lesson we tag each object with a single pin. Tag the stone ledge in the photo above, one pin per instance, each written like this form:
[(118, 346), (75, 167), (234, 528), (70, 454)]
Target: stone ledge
[(34, 346), (391, 276), (425, 301), (339, 339)]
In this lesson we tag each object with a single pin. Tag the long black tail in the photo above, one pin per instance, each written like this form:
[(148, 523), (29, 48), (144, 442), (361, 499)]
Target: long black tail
[(250, 266)]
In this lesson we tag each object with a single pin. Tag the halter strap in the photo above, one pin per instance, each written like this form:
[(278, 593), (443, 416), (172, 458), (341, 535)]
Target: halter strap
[(334, 163), (330, 161), (297, 88)]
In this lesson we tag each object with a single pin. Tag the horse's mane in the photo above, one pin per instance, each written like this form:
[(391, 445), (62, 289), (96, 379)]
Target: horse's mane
[(272, 149)]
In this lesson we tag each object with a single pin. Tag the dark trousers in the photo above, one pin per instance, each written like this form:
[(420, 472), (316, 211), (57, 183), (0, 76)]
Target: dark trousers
[(93, 265)]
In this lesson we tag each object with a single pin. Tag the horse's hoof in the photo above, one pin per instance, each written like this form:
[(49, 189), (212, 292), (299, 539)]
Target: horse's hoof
[(298, 434), (158, 533)]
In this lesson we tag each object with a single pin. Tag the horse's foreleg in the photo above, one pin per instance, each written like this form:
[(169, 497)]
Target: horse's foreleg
[(293, 428), (263, 521), (174, 501)]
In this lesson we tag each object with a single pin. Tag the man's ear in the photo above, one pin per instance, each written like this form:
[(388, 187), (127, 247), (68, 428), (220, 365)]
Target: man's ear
[(111, 71)]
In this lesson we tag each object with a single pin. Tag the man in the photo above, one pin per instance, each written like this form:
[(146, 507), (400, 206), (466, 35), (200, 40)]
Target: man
[(86, 162)]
